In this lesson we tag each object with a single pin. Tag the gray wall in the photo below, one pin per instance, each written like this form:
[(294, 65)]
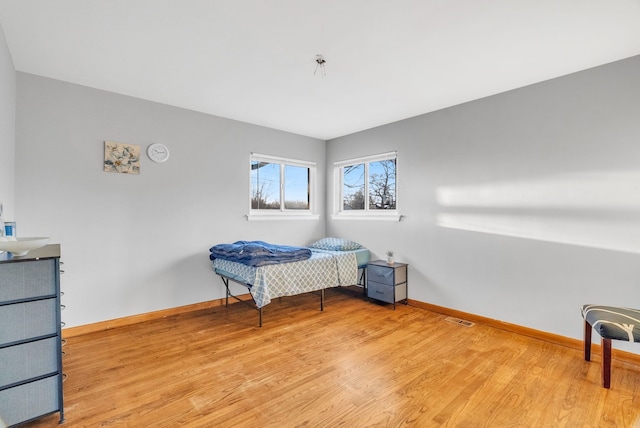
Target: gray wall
[(521, 206), (138, 243), (7, 128)]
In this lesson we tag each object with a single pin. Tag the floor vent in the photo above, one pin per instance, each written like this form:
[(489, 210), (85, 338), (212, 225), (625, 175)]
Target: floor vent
[(459, 321)]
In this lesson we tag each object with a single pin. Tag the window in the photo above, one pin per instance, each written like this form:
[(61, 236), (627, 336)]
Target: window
[(367, 186), (281, 186)]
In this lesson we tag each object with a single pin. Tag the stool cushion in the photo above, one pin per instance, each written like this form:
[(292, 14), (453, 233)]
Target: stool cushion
[(612, 322)]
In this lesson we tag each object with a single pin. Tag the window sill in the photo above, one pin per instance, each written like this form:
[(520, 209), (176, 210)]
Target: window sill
[(281, 216), (368, 217)]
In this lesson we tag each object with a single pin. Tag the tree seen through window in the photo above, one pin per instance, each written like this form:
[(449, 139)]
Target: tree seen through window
[(379, 185)]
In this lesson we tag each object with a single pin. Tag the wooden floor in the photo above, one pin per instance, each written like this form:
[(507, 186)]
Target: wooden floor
[(357, 364)]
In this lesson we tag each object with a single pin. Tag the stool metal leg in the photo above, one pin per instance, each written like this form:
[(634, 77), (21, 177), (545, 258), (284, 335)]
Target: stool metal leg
[(587, 341), (606, 362)]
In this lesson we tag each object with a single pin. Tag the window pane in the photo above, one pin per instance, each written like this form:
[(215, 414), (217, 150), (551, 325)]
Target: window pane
[(265, 185), (353, 187), (382, 185), (296, 188)]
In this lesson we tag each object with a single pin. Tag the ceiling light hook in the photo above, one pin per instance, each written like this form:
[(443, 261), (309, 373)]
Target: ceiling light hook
[(320, 64)]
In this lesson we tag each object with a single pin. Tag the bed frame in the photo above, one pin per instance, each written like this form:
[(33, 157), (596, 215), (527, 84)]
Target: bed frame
[(252, 304)]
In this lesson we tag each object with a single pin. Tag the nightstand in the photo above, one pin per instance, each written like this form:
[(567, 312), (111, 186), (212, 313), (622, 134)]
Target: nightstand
[(387, 282)]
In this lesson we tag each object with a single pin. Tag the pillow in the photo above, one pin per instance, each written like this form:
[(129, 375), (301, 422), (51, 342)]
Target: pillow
[(335, 244)]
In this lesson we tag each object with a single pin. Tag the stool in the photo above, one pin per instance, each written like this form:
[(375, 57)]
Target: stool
[(611, 323)]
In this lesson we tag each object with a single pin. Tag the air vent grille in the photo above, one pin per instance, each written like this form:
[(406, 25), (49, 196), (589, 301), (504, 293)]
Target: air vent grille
[(458, 321)]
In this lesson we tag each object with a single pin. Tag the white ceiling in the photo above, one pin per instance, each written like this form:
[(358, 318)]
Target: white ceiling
[(254, 60)]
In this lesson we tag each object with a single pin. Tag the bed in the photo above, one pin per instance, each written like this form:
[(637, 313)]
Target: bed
[(329, 262)]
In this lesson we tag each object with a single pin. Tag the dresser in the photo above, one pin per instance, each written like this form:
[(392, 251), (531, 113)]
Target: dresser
[(30, 336), (387, 282)]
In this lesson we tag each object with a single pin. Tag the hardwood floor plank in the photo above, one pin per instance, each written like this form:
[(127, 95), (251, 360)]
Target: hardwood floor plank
[(357, 364)]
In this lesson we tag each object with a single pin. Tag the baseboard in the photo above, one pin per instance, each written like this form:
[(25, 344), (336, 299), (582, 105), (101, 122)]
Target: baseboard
[(149, 316), (526, 331)]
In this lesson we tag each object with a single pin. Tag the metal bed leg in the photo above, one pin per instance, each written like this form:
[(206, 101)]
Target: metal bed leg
[(322, 299), (225, 281), (363, 281)]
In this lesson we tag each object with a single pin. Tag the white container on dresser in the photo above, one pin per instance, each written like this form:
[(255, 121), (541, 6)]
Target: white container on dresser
[(30, 336)]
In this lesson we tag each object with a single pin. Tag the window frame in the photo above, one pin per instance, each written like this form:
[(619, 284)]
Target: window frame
[(339, 213), (284, 213)]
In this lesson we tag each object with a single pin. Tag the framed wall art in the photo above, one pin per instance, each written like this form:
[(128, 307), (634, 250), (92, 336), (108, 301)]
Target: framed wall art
[(123, 158)]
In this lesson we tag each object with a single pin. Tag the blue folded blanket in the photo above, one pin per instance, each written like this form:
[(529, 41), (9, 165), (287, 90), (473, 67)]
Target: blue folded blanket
[(258, 253)]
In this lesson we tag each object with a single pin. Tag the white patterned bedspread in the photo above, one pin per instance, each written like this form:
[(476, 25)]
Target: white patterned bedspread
[(323, 270)]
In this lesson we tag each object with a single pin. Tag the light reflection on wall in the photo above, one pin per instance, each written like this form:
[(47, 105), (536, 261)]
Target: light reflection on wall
[(600, 210)]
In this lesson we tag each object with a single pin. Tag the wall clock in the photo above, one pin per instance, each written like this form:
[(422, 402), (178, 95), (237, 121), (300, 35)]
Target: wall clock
[(158, 152)]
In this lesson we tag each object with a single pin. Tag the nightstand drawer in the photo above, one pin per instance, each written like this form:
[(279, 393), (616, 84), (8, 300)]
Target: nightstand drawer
[(387, 274), (382, 292)]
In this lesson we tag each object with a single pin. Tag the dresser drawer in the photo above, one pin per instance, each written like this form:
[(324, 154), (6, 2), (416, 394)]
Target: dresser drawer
[(30, 400), (23, 280), (22, 321), (29, 360), (387, 274)]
